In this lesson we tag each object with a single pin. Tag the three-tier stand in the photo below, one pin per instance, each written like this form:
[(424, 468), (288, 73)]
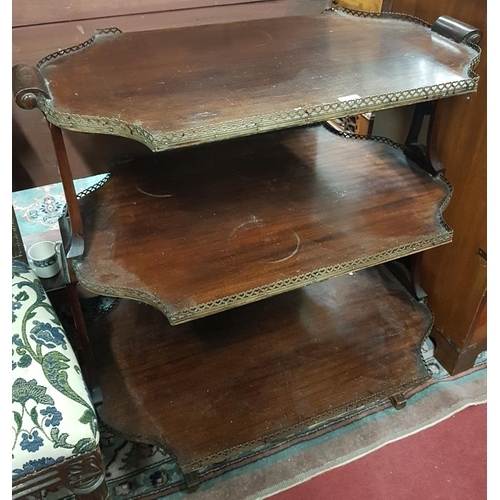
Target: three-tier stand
[(262, 262)]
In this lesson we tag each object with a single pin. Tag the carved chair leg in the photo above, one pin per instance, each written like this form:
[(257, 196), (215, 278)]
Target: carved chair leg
[(83, 475), (100, 493), (86, 478)]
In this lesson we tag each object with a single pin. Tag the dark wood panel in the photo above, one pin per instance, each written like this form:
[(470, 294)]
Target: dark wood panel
[(25, 13), (455, 277), (479, 325), (458, 359), (199, 230), (215, 387), (127, 84), (32, 43)]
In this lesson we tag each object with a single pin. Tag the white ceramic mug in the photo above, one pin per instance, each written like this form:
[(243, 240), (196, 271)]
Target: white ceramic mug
[(44, 258)]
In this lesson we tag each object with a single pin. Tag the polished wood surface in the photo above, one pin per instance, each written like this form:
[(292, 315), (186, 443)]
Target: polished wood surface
[(212, 388), (194, 232), (33, 155), (202, 230), (167, 88), (455, 276)]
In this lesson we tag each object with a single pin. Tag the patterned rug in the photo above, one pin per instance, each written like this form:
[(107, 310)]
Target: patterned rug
[(136, 471)]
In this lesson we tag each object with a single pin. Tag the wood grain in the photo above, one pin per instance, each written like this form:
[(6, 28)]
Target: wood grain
[(196, 231), (216, 387), (33, 155), (167, 88)]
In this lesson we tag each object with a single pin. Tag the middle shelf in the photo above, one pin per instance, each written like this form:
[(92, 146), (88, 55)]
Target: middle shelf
[(197, 231)]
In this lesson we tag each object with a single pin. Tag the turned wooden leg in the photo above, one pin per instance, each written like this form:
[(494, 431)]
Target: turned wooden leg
[(85, 478)]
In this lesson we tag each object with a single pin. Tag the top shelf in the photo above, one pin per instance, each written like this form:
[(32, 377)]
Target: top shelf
[(185, 86)]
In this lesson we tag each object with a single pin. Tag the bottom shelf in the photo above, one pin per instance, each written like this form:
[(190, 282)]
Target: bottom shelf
[(216, 387)]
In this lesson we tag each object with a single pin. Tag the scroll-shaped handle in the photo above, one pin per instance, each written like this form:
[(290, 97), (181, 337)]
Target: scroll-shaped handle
[(27, 85), (457, 30)]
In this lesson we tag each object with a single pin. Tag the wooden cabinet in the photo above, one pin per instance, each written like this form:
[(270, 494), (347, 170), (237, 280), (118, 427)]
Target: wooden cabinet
[(247, 251), (455, 276)]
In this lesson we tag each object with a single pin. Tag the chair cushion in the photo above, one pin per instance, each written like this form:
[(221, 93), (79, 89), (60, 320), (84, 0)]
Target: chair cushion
[(52, 414)]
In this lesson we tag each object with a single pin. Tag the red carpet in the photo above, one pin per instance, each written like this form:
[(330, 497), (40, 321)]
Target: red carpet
[(444, 462)]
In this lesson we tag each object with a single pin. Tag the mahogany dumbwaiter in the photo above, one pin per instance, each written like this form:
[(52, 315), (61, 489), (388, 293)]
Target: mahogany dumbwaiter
[(247, 256)]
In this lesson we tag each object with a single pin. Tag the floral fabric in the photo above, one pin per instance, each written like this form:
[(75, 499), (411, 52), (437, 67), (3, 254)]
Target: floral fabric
[(52, 414)]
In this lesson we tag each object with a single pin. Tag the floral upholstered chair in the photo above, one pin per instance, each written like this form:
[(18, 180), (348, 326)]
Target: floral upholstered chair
[(55, 436)]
